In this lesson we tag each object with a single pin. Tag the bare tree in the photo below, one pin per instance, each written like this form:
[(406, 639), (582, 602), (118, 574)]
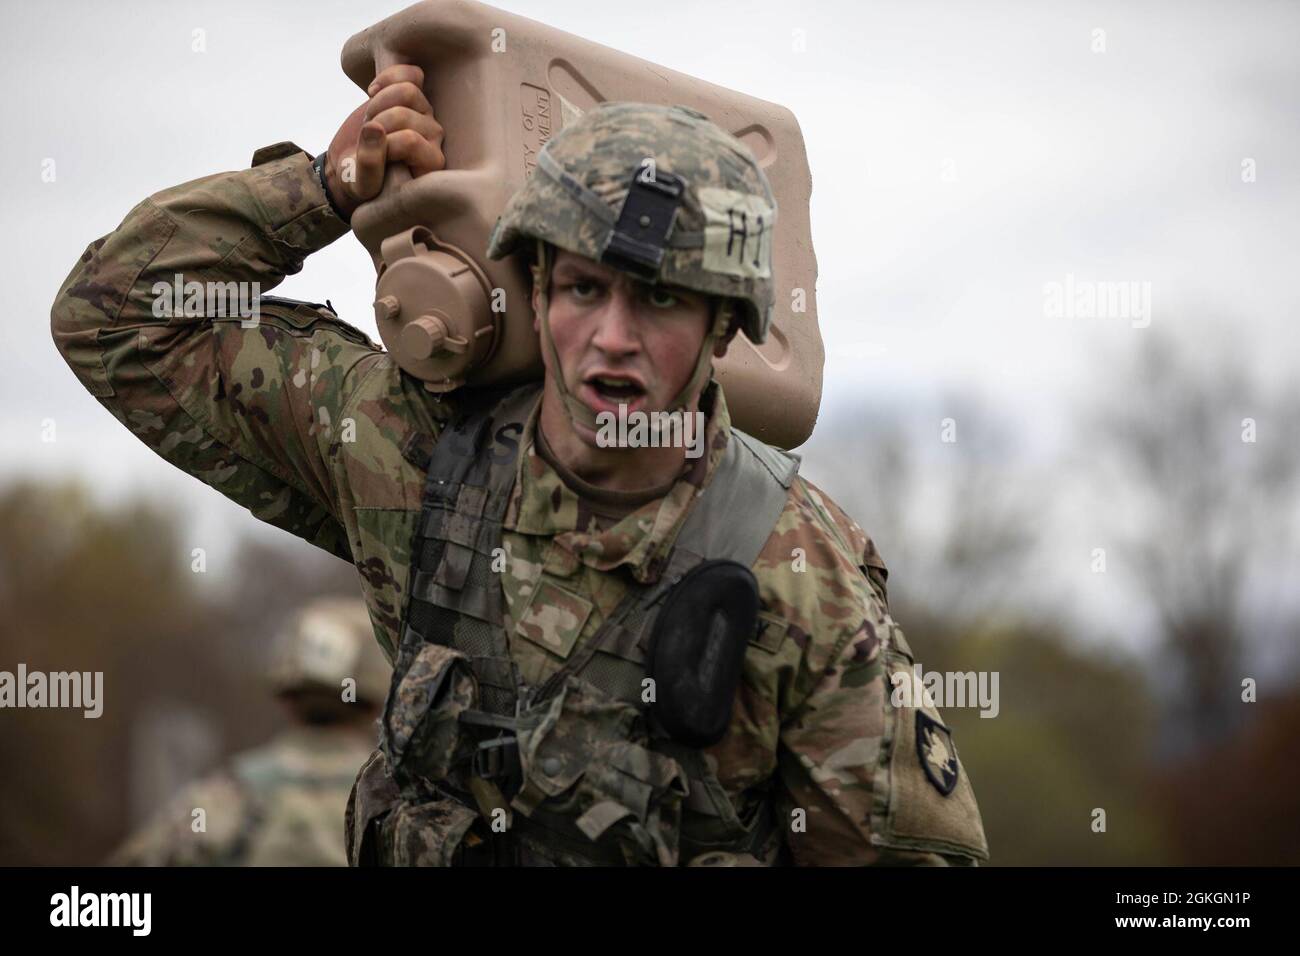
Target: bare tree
[(1193, 466), (947, 497)]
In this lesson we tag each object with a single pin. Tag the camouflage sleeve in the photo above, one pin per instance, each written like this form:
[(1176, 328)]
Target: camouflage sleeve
[(205, 824), (856, 787), (248, 406)]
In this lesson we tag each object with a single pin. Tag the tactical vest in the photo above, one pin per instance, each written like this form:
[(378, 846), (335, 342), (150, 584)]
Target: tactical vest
[(475, 767)]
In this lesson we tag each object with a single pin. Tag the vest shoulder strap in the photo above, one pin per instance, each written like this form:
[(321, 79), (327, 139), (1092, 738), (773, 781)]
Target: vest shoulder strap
[(741, 504)]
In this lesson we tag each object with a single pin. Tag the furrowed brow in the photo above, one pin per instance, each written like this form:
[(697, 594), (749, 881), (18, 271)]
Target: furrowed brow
[(581, 270)]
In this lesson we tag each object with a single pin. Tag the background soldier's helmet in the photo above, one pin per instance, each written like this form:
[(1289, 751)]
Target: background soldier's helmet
[(324, 643), (719, 239)]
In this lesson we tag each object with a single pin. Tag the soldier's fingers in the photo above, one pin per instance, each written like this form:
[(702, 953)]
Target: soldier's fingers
[(372, 157), (408, 146), (399, 94), (397, 73), (400, 117)]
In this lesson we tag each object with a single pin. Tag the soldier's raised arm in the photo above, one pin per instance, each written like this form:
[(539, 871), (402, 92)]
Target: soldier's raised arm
[(251, 405)]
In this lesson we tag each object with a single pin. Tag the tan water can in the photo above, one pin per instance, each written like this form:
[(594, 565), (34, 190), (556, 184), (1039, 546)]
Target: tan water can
[(501, 85)]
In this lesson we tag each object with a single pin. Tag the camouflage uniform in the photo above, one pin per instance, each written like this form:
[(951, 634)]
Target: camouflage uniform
[(281, 804), (314, 429)]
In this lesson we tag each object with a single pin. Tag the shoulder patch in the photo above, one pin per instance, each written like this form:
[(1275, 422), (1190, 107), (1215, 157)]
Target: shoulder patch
[(938, 755), (923, 798)]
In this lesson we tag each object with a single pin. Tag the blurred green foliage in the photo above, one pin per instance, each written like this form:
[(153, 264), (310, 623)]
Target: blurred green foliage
[(1073, 733)]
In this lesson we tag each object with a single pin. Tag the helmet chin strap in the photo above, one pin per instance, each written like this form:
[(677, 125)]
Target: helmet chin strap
[(580, 413)]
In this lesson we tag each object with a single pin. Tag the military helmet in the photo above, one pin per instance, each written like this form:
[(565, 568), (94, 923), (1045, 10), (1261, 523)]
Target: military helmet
[(657, 191), (325, 642)]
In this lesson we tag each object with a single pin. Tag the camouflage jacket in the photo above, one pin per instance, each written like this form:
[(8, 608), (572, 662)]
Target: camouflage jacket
[(304, 421), (281, 804)]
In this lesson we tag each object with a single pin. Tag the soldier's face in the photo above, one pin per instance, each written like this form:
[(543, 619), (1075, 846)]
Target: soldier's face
[(621, 341)]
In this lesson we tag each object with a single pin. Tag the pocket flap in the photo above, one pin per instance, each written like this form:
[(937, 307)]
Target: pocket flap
[(421, 724), (428, 834), (374, 794)]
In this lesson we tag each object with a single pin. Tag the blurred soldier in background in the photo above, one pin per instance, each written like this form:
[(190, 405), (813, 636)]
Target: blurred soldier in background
[(282, 804)]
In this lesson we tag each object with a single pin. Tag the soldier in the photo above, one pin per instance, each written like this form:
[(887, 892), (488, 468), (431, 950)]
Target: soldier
[(282, 804), (604, 655)]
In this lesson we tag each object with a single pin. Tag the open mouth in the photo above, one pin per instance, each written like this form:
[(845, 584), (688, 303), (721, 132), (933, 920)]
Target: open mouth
[(608, 392), (615, 389)]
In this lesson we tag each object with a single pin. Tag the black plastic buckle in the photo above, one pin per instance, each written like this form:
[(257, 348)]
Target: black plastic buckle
[(498, 760), (637, 243)]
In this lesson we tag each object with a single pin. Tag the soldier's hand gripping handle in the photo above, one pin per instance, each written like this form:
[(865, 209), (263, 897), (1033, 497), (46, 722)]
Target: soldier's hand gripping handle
[(395, 126)]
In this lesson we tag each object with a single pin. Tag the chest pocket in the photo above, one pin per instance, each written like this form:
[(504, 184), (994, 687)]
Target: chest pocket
[(665, 793), (587, 765)]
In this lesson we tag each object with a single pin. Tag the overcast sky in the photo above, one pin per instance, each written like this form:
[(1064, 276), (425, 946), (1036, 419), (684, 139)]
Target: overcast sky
[(963, 156)]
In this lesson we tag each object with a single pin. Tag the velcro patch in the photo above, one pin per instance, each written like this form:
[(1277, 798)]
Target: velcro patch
[(737, 233), (554, 618)]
